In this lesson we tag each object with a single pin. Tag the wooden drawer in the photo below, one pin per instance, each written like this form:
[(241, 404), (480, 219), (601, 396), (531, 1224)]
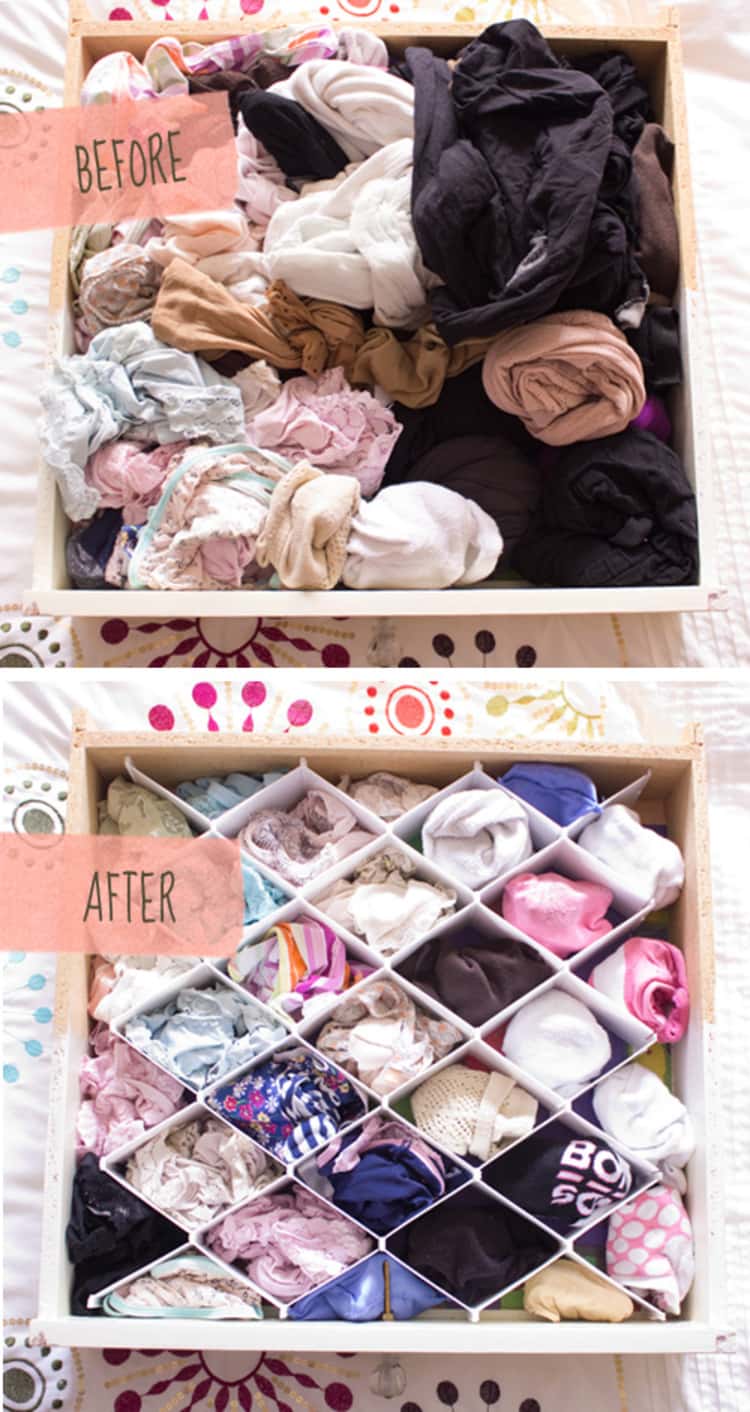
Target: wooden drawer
[(656, 51), (669, 784)]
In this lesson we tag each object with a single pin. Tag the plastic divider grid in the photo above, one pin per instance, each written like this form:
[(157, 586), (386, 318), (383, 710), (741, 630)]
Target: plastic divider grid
[(457, 1172), (555, 848), (629, 795)]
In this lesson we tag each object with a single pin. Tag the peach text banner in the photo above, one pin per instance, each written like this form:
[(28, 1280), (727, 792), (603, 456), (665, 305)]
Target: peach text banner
[(116, 161), (103, 893)]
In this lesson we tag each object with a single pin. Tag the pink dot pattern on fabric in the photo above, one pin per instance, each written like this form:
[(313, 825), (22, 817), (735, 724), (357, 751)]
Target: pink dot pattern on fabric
[(647, 1239)]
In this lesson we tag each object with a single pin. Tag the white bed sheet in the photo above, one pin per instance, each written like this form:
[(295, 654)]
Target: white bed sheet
[(37, 733), (717, 44)]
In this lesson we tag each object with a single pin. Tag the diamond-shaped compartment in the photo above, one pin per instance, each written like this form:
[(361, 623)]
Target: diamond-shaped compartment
[(656, 1058), (282, 797), (476, 967), (251, 1239), (588, 1259), (567, 1175), (381, 1173), (313, 1100), (474, 1246), (381, 1012), (472, 1118), (141, 1028), (386, 1284), (565, 859), (116, 1293), (542, 831), (614, 1036), (382, 924), (337, 963), (191, 1203), (96, 1107)]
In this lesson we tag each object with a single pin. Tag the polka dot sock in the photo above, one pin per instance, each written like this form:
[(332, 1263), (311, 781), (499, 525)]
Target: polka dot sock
[(650, 1247)]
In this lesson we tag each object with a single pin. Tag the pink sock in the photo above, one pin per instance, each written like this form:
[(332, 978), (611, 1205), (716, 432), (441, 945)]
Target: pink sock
[(561, 914)]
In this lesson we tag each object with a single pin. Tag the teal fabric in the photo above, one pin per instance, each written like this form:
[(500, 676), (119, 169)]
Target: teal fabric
[(116, 1304), (128, 383), (212, 795)]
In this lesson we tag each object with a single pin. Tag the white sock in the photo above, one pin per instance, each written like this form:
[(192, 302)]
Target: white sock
[(477, 835), (558, 1040), (420, 535), (650, 864), (634, 1106)]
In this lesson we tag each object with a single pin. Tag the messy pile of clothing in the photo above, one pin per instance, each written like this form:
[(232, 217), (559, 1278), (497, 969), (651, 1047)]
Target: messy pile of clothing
[(426, 347)]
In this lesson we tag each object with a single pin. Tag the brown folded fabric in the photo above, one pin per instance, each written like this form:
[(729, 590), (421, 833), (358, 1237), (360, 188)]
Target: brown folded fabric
[(197, 315), (261, 73), (659, 249), (474, 975), (413, 371), (324, 335), (570, 376)]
